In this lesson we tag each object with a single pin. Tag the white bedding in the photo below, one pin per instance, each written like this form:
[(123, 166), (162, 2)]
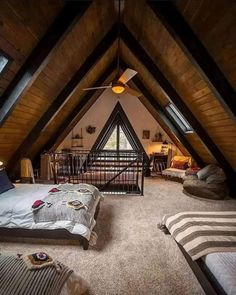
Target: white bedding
[(223, 266), (173, 172), (15, 210)]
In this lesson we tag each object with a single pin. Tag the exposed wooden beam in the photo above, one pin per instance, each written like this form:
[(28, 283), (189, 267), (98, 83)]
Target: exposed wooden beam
[(164, 115), (71, 13), (66, 126), (180, 30), (67, 91), (151, 66)]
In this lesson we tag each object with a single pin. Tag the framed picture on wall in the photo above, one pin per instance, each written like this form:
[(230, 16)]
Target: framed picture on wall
[(146, 134)]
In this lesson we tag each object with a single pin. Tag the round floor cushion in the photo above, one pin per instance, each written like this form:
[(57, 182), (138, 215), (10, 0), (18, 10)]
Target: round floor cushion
[(201, 189)]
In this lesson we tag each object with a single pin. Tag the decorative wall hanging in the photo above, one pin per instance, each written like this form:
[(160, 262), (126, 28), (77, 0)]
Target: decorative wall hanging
[(77, 139), (146, 134), (91, 129), (157, 137)]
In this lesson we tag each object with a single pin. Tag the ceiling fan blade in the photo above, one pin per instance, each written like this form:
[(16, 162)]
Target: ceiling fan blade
[(127, 75), (100, 87), (133, 91)]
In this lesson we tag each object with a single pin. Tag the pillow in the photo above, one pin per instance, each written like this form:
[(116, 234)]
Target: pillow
[(207, 171), (218, 177), (5, 183), (179, 165), (182, 159)]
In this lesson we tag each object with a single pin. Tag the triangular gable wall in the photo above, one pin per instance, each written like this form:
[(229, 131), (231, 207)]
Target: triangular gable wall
[(118, 116)]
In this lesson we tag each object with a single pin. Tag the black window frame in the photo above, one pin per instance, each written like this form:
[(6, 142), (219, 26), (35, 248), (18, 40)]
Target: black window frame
[(179, 118), (118, 127)]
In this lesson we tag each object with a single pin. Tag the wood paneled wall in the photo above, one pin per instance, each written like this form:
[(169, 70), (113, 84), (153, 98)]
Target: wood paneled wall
[(23, 23), (215, 25), (21, 29), (88, 80), (64, 62), (157, 92), (183, 75)]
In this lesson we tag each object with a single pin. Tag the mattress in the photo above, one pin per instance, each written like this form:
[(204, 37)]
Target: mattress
[(15, 210), (223, 267), (173, 172)]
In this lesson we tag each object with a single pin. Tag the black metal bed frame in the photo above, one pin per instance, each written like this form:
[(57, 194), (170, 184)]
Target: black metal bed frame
[(110, 171)]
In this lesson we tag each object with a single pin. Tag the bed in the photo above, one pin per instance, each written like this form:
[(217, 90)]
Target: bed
[(179, 165), (18, 219), (208, 242)]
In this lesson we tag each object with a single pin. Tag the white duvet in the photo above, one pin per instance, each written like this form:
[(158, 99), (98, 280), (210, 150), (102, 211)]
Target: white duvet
[(15, 210)]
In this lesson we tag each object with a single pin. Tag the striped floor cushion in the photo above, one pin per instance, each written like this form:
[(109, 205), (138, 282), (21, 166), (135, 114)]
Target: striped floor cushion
[(201, 233)]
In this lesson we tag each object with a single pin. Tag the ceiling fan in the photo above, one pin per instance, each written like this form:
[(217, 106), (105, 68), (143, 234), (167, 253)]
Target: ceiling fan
[(119, 85)]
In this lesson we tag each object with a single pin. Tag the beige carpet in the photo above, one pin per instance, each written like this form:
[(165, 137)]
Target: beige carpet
[(132, 256)]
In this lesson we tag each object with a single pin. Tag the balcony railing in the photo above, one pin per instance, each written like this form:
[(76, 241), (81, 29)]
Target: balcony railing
[(110, 171)]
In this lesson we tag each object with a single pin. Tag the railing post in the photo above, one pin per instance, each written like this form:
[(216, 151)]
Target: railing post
[(142, 179), (54, 168)]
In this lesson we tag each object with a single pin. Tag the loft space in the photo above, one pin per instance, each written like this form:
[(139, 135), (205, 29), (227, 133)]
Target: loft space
[(117, 147)]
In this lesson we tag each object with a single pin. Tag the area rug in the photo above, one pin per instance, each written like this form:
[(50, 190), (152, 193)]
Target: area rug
[(132, 257)]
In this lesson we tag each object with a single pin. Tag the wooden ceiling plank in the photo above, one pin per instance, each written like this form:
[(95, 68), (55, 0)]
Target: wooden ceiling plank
[(70, 87), (180, 30), (66, 126), (151, 66), (71, 13)]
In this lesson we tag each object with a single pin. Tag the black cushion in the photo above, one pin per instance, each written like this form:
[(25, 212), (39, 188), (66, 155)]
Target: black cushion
[(5, 183)]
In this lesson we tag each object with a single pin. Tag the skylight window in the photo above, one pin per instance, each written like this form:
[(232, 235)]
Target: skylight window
[(178, 117), (4, 60)]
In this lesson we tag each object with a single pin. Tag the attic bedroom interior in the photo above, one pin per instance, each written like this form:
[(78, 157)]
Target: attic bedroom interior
[(117, 147)]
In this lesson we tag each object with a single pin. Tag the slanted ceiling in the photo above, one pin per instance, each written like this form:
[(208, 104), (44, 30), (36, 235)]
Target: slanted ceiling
[(24, 23)]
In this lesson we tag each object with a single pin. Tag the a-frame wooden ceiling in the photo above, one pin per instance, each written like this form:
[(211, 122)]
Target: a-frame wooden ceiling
[(83, 53)]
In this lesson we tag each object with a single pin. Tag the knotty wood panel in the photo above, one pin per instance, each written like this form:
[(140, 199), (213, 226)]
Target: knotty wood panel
[(183, 75), (64, 62), (156, 91), (52, 127), (215, 25), (88, 80), (23, 23)]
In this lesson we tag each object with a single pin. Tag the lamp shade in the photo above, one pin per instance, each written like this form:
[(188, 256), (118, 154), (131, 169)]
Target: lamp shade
[(117, 87)]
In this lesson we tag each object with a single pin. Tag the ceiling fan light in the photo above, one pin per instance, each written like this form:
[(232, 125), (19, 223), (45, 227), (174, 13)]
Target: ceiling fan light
[(117, 87)]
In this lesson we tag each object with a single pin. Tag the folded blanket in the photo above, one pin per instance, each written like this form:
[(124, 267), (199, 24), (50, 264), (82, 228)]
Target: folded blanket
[(17, 278), (87, 195), (201, 233)]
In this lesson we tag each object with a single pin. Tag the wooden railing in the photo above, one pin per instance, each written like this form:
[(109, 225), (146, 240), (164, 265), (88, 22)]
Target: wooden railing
[(110, 171)]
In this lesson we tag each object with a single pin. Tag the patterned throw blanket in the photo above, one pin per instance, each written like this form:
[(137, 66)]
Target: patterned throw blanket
[(58, 199), (18, 279), (201, 233)]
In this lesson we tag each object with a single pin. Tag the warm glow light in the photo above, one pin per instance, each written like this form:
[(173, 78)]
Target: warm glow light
[(117, 87), (1, 164)]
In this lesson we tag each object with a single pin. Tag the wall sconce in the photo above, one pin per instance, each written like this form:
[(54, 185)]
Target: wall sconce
[(1, 165)]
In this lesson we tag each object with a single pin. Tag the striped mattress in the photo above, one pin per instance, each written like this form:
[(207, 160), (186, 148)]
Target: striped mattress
[(201, 233)]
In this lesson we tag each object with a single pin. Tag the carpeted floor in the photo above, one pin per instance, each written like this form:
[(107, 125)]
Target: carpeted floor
[(132, 256)]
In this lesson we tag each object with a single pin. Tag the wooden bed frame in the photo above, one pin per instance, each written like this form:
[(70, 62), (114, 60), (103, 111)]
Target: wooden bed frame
[(47, 234), (173, 178), (204, 276)]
